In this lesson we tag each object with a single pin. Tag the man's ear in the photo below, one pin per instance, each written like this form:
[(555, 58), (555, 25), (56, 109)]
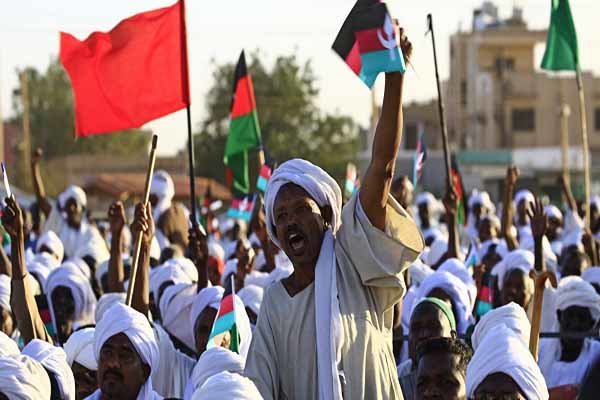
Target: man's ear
[(146, 370), (327, 213)]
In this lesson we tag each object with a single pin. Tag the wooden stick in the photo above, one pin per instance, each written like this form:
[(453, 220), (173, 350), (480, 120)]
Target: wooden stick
[(441, 112), (585, 149), (565, 112), (539, 280), (138, 239)]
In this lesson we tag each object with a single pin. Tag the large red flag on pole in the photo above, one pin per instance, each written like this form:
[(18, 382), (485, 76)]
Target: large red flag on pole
[(134, 73)]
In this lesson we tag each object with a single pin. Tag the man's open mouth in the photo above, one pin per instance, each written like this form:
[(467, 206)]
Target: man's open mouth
[(296, 241)]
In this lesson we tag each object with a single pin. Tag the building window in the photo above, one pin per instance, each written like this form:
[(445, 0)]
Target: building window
[(463, 93), (597, 119), (523, 119), (410, 136), (504, 65)]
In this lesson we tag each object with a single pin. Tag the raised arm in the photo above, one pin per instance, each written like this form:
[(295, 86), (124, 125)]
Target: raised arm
[(512, 174), (451, 206), (539, 224), (378, 178), (142, 222), (38, 184), (116, 271), (22, 299), (198, 251)]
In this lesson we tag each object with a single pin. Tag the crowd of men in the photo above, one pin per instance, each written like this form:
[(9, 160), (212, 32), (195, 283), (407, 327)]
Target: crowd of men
[(383, 297)]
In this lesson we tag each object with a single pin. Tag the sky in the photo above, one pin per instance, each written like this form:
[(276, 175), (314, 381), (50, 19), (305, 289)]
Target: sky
[(219, 29)]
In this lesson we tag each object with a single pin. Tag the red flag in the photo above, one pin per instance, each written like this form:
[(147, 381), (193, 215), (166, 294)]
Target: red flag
[(130, 75)]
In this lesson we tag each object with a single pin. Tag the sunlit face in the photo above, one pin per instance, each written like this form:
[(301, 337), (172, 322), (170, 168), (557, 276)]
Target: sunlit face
[(426, 322), (439, 378), (121, 371), (498, 386), (299, 225), (517, 288)]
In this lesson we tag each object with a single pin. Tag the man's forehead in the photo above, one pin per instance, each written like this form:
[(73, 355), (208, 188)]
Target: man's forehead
[(439, 363), (119, 340), (292, 192)]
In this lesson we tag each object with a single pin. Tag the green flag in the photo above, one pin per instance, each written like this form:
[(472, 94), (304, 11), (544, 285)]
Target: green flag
[(562, 53), (244, 131)]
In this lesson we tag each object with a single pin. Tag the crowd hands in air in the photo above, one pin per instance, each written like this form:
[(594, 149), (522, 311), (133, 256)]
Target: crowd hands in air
[(441, 314)]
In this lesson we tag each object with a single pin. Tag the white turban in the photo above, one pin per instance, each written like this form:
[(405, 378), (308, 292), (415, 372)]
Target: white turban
[(186, 265), (5, 292), (458, 269), (213, 361), (500, 249), (595, 201), (323, 189), (252, 296), (574, 291), (591, 275), (123, 319), (162, 187), (230, 268), (502, 351), (438, 248), (226, 385), (511, 315), (524, 195), (80, 349), (39, 271), (516, 259), (425, 198), (456, 289), (23, 378), (494, 221), (553, 212), (528, 243), (175, 306), (207, 297), (73, 192), (216, 250), (54, 360), (48, 260), (165, 273), (418, 272), (70, 276), (82, 265), (8, 347), (53, 243), (481, 197), (106, 301)]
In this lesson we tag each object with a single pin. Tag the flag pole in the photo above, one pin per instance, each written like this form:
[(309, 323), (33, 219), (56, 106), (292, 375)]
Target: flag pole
[(193, 216), (440, 105), (138, 239), (565, 112), (585, 148)]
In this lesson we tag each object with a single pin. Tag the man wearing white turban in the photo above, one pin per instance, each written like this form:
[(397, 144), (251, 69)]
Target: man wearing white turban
[(513, 278), (510, 315), (332, 318), (54, 360), (80, 356), (50, 243), (23, 378), (227, 385), (252, 297), (126, 352), (171, 218), (502, 366), (565, 361), (213, 361)]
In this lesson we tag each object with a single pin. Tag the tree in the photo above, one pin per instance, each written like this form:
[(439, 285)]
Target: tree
[(291, 124), (51, 115)]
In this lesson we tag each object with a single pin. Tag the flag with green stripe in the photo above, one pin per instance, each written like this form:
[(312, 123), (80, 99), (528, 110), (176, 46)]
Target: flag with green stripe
[(562, 50), (225, 323)]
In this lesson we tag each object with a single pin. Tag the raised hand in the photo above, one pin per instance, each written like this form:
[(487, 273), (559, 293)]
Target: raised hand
[(198, 245), (451, 202), (143, 222), (12, 219), (405, 45), (116, 218), (512, 175), (538, 219), (37, 156)]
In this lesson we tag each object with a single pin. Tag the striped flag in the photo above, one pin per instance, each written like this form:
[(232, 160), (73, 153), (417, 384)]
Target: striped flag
[(459, 188), (242, 208), (263, 177), (225, 322), (420, 156)]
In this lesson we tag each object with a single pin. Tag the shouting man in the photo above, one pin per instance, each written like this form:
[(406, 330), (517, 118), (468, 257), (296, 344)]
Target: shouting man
[(332, 318)]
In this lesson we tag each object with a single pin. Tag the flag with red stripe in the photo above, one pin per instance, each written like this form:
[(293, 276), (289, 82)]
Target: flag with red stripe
[(225, 326)]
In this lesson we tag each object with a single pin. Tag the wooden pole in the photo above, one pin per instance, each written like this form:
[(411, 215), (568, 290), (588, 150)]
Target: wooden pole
[(138, 239), (539, 280), (585, 149), (192, 173), (565, 112), (440, 106)]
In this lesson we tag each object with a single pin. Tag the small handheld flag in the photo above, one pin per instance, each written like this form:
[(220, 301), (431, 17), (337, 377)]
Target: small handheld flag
[(6, 184), (242, 208), (367, 42), (420, 157), (225, 322), (263, 178), (459, 188), (351, 177)]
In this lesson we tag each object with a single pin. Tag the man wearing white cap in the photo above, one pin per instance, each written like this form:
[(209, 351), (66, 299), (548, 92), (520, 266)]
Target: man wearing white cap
[(332, 318), (170, 218)]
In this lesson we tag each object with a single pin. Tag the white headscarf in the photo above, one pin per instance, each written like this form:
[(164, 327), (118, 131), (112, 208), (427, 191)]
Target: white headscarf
[(39, 271), (73, 192), (458, 269), (516, 259), (71, 277), (54, 360), (207, 297), (524, 195), (483, 198), (213, 361), (325, 191), (106, 301), (8, 347), (553, 212), (5, 292), (252, 297), (528, 243), (591, 275), (511, 315), (175, 306), (438, 248), (162, 187), (80, 349), (53, 243), (23, 378), (226, 385), (418, 272), (122, 319), (164, 273), (502, 351), (425, 198), (456, 289)]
